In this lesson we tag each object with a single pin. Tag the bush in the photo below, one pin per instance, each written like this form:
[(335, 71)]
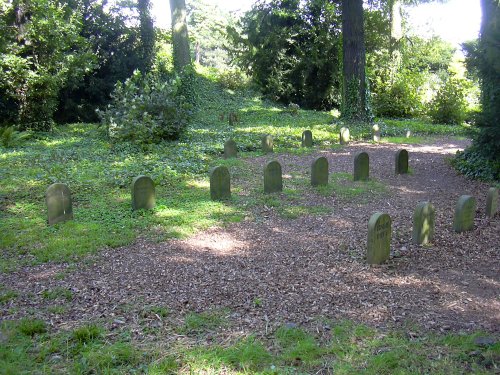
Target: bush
[(402, 99), (232, 79), (449, 106), (473, 164), (147, 109)]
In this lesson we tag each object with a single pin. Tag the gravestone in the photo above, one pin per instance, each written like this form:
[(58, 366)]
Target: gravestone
[(143, 193), (267, 144), (492, 202), (361, 166), (464, 214), (230, 149), (273, 179), (319, 171), (59, 205), (401, 162), (379, 238), (376, 133), (344, 136), (307, 138), (220, 184), (423, 223)]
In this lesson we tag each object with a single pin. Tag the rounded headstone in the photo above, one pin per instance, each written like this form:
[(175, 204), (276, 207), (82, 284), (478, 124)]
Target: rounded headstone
[(423, 223), (319, 171), (267, 144), (401, 162), (59, 205), (230, 149), (307, 138), (273, 179), (143, 193), (492, 202), (379, 238), (361, 166), (345, 136), (465, 211), (220, 184), (376, 133)]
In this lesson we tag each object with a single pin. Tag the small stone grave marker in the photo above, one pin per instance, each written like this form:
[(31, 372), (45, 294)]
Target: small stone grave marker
[(273, 179), (344, 136), (379, 238), (401, 162), (492, 202), (376, 133), (307, 138), (267, 144), (59, 205), (361, 166), (230, 149), (423, 223), (143, 193), (319, 171), (465, 211), (220, 184)]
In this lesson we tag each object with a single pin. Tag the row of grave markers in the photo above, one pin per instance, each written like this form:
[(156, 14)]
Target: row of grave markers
[(379, 225), (267, 141)]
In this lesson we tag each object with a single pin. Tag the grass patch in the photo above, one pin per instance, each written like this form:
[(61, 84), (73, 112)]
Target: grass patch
[(28, 347), (199, 323), (344, 187), (7, 295), (58, 293)]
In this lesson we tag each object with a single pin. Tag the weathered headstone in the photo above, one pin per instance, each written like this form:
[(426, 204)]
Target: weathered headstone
[(143, 193), (361, 166), (408, 133), (423, 223), (376, 133), (267, 144), (464, 214), (307, 138), (273, 179), (59, 205), (401, 162), (230, 149), (379, 238), (220, 184), (344, 136), (492, 202), (319, 171)]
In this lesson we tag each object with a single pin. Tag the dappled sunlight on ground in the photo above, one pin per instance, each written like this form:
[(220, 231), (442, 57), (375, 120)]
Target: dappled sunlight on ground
[(217, 244)]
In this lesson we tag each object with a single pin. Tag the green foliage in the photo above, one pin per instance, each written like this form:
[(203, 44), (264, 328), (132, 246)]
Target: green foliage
[(31, 327), (292, 50), (202, 322), (233, 79), (474, 164), (146, 109), (449, 106), (87, 334), (9, 137), (58, 292)]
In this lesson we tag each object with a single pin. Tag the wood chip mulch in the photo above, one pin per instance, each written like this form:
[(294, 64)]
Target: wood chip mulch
[(275, 271)]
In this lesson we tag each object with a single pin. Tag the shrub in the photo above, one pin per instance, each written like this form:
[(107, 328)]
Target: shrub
[(232, 79), (473, 164), (146, 109), (449, 106)]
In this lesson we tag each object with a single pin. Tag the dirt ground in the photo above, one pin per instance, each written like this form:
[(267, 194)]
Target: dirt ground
[(273, 271)]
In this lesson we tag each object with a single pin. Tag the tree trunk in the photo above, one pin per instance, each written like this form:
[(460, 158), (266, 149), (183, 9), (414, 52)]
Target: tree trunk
[(396, 36), (354, 98), (147, 35), (180, 39)]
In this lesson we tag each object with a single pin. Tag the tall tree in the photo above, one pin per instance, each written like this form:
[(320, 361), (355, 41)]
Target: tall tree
[(354, 96), (147, 33), (180, 38)]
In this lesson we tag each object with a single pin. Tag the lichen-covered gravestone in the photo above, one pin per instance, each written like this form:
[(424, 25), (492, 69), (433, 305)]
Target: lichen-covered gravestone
[(401, 162), (361, 166), (273, 179), (319, 171), (220, 184), (143, 193), (376, 133), (492, 202), (307, 138), (464, 214), (379, 238), (344, 136), (423, 223), (59, 205), (230, 149), (267, 144)]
